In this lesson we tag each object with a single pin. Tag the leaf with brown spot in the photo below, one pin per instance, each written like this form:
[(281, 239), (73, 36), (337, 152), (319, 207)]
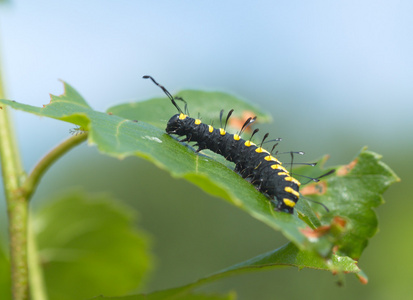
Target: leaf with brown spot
[(344, 170), (350, 194), (318, 188)]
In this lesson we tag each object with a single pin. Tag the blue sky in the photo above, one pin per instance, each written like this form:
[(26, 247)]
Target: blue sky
[(344, 64)]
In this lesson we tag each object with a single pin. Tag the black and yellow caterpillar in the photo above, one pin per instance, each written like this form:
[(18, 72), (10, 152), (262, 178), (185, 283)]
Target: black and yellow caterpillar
[(252, 162)]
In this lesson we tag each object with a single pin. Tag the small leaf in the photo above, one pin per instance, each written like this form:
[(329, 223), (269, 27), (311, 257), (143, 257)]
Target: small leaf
[(89, 247)]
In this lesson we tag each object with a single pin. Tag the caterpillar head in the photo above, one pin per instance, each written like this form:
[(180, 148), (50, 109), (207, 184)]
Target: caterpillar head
[(176, 125)]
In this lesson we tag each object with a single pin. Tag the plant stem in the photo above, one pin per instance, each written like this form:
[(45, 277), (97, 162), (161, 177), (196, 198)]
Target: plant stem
[(17, 206), (30, 184), (38, 288), (18, 213), (13, 173)]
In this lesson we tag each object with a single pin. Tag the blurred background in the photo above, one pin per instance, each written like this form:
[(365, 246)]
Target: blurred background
[(335, 76)]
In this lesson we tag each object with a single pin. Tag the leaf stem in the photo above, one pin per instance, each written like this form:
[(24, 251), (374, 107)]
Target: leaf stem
[(30, 184)]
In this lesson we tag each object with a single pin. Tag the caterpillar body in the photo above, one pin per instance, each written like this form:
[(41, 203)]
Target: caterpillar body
[(252, 161)]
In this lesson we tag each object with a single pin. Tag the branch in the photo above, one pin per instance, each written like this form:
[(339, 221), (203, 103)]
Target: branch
[(30, 184)]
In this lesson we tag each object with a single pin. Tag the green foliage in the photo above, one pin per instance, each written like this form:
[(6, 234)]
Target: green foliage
[(88, 246), (320, 240), (352, 194)]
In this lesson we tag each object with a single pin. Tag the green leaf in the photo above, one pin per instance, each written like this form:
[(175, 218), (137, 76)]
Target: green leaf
[(89, 247), (288, 255), (352, 194), (120, 137)]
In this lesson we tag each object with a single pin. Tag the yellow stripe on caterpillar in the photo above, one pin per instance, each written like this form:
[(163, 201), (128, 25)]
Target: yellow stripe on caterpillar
[(271, 158), (182, 116), (261, 150), (289, 202), (292, 179), (290, 190), (278, 167)]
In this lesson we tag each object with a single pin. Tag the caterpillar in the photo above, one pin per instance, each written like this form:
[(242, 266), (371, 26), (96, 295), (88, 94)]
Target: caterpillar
[(252, 161)]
